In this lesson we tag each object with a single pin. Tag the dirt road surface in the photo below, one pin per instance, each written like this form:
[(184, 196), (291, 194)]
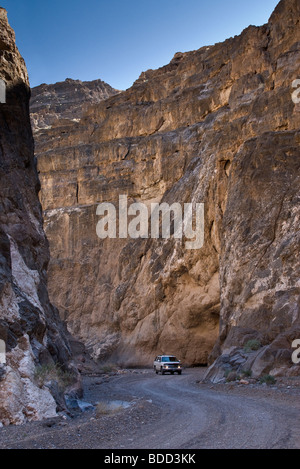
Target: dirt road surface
[(169, 412)]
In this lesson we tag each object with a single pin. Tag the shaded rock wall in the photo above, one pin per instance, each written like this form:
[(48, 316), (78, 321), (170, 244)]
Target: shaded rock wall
[(29, 325), (217, 125)]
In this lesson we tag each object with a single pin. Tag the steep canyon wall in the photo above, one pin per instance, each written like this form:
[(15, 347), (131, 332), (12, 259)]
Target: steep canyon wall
[(31, 332), (216, 126)]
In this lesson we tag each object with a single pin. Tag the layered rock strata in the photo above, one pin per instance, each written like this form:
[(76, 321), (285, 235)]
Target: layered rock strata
[(216, 126)]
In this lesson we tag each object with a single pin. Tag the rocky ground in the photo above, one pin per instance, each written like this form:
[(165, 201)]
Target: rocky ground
[(140, 410)]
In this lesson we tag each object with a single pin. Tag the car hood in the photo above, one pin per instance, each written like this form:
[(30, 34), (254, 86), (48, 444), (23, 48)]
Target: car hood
[(171, 363)]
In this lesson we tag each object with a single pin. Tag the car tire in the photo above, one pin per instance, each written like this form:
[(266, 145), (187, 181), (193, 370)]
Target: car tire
[(179, 373), (162, 371)]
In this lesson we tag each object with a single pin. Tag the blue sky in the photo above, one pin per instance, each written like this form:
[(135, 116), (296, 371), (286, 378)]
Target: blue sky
[(116, 40)]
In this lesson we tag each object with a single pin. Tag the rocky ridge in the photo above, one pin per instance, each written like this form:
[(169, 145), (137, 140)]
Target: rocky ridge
[(216, 126), (31, 332), (66, 100)]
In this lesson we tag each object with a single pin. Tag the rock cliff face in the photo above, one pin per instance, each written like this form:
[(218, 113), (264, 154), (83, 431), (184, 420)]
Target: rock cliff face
[(216, 126), (30, 329), (65, 100)]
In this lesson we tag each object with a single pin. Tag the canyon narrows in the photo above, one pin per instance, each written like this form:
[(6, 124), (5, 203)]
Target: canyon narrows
[(220, 127), (216, 126)]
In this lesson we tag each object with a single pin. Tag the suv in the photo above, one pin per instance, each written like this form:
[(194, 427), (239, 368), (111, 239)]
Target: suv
[(167, 364)]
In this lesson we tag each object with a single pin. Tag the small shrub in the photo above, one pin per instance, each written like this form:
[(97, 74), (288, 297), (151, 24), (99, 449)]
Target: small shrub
[(232, 376), (108, 368), (252, 345), (268, 379), (53, 372), (246, 373), (102, 409), (106, 409)]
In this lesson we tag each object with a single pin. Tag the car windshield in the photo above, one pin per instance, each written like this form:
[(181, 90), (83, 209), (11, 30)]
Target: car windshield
[(169, 359)]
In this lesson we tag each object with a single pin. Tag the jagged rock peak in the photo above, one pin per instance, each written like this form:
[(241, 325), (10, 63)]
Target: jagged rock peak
[(286, 11), (65, 100), (3, 13)]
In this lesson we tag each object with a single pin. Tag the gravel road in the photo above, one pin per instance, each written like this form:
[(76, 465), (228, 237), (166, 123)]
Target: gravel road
[(169, 412)]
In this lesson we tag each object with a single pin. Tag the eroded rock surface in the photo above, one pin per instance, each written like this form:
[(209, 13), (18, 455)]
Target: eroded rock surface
[(65, 100), (30, 326), (217, 126)]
